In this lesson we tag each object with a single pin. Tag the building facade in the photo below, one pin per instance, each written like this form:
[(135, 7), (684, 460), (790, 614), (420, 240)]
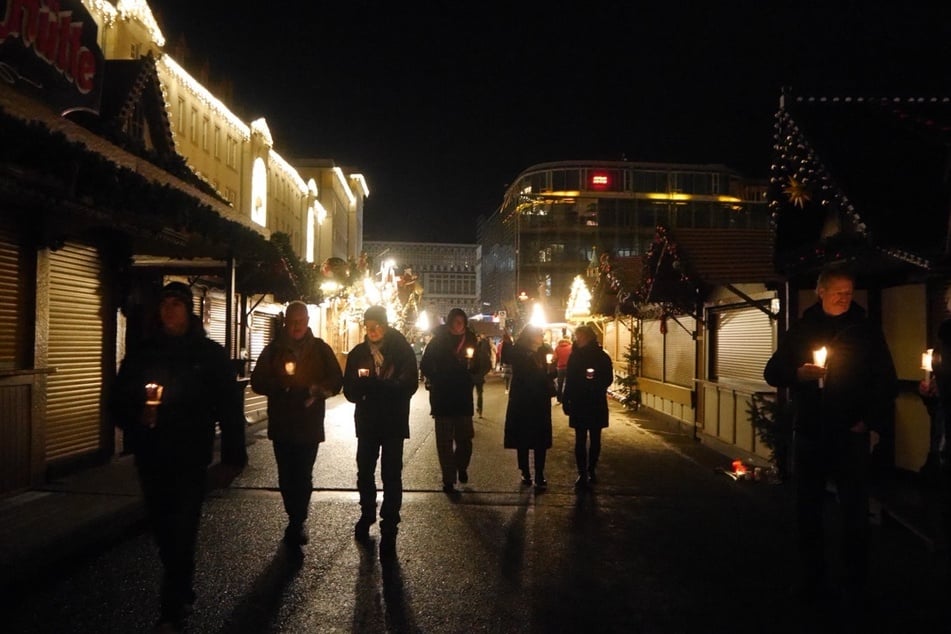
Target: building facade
[(556, 220), (447, 273)]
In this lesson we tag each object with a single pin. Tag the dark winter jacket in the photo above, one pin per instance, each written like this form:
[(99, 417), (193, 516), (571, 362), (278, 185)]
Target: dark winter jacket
[(200, 389), (382, 401), (528, 415), (860, 383), (449, 373), (296, 403), (585, 399)]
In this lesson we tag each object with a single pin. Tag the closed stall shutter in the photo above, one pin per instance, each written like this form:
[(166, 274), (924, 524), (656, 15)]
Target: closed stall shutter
[(216, 324), (743, 341), (652, 362), (75, 351), (262, 331), (10, 306), (680, 351)]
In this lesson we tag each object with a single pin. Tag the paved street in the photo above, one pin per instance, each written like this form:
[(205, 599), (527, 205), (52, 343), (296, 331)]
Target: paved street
[(663, 543)]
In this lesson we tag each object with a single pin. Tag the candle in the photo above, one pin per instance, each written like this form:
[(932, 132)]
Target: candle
[(290, 367), (819, 359), (589, 373), (926, 362), (470, 352), (153, 394), (363, 372), (549, 358)]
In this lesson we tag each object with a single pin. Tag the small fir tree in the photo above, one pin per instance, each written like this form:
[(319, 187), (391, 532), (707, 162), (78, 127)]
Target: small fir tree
[(627, 389)]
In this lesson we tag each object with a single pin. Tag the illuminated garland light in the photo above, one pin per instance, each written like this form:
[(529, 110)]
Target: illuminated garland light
[(579, 299), (181, 76)]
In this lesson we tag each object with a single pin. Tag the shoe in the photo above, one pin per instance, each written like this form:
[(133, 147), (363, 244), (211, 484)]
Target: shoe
[(361, 530), (449, 489), (479, 412), (581, 482), (295, 535), (463, 476), (541, 484), (592, 477), (526, 479)]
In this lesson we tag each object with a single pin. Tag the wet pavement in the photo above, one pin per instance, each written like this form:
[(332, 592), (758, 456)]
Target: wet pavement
[(664, 542)]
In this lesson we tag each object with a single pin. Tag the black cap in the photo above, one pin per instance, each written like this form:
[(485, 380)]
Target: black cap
[(375, 313), (180, 291)]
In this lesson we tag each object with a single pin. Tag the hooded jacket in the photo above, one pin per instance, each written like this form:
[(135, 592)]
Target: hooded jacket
[(199, 390), (296, 403), (860, 383)]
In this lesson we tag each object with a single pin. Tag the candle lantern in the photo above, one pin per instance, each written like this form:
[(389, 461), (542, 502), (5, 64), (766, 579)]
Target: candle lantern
[(589, 373), (549, 358), (290, 368), (927, 358), (819, 358), (363, 372)]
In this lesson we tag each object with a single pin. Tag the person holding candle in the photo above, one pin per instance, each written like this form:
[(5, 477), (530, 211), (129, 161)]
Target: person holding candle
[(584, 400), (837, 425), (169, 393), (528, 414), (450, 365), (380, 379), (297, 372)]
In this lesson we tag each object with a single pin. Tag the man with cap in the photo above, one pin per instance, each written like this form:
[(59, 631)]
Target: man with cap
[(451, 365), (297, 372), (170, 392), (380, 377)]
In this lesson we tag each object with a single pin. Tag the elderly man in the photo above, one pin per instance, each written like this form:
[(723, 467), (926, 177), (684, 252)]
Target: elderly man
[(841, 407), (297, 372), (380, 378)]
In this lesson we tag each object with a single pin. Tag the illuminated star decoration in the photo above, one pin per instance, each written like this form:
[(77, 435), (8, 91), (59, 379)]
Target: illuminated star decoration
[(797, 193)]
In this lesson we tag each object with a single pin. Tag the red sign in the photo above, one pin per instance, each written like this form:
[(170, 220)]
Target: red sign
[(600, 180), (48, 48)]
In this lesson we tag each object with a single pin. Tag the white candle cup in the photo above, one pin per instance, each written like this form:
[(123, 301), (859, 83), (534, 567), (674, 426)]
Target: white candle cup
[(362, 372), (290, 368), (589, 373), (470, 352), (549, 358), (153, 394)]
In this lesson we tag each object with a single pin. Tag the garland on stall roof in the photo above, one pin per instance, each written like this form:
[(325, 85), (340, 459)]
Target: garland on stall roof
[(667, 287)]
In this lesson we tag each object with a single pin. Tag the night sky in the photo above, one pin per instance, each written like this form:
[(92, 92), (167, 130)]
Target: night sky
[(442, 104)]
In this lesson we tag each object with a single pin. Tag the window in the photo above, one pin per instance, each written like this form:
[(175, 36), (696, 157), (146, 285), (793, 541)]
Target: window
[(218, 142), (204, 133), (180, 116), (193, 126)]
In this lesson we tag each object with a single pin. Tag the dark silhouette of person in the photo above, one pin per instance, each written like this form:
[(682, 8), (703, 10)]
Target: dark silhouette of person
[(168, 395), (841, 409)]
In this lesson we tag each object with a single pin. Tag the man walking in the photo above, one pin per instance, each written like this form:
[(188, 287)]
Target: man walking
[(297, 372), (169, 393), (450, 365), (842, 404), (380, 378)]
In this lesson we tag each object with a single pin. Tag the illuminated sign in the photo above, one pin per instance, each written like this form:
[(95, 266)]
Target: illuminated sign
[(49, 48), (600, 181)]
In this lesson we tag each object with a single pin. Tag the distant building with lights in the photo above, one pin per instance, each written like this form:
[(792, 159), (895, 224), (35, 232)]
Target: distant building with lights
[(556, 220), (448, 273)]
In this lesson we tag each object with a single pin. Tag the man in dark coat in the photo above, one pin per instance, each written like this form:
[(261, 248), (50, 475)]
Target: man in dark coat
[(584, 399), (168, 395), (450, 365), (841, 407), (297, 372), (528, 414), (380, 378)]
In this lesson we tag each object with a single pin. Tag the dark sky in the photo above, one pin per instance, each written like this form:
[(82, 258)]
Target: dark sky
[(442, 104)]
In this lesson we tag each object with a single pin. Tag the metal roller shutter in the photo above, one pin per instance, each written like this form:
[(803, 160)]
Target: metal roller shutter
[(10, 307), (744, 340), (216, 323), (75, 350), (680, 351), (652, 358), (262, 331)]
